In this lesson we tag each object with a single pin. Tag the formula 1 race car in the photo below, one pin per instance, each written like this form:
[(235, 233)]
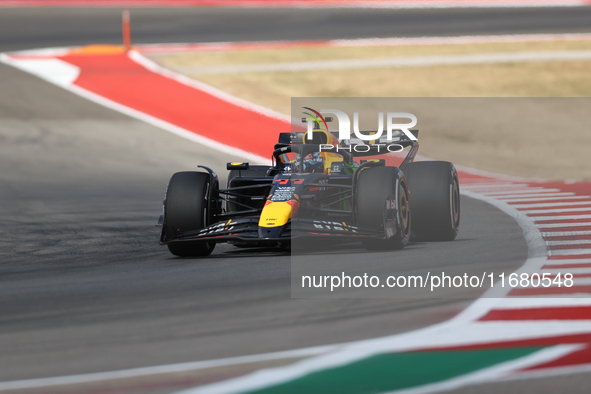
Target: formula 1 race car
[(314, 188)]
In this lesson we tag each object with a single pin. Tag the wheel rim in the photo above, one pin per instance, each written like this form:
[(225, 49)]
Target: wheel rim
[(404, 211)]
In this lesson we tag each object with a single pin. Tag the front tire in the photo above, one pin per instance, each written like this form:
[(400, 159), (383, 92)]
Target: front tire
[(185, 209), (374, 187), (435, 195)]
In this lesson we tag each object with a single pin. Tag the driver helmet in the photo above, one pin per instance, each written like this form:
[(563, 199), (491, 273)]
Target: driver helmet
[(314, 162)]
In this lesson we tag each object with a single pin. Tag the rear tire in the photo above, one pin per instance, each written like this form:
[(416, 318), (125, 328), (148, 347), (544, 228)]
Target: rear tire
[(374, 187), (185, 210), (435, 195)]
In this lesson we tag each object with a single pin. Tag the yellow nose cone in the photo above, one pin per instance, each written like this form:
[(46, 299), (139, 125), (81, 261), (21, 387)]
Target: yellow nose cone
[(275, 214)]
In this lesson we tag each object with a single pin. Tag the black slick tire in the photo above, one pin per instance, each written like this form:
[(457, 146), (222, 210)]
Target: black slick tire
[(185, 210), (374, 186), (435, 197)]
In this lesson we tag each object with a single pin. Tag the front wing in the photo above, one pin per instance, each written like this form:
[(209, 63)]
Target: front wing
[(247, 230)]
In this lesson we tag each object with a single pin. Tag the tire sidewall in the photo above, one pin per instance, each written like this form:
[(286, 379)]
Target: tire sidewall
[(435, 198), (375, 187), (187, 209)]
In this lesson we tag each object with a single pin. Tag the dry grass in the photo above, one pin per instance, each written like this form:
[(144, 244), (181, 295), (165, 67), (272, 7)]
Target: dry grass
[(541, 153), (540, 79), (190, 59)]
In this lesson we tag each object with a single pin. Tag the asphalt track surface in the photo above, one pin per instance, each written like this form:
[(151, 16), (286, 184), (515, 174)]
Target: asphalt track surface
[(85, 287), (38, 28)]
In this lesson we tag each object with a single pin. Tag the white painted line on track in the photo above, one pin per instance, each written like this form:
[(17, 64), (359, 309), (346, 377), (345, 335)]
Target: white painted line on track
[(55, 71), (161, 369), (267, 378), (561, 217), (558, 225), (393, 62)]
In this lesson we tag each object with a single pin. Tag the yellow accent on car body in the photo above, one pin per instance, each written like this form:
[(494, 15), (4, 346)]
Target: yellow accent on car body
[(275, 214)]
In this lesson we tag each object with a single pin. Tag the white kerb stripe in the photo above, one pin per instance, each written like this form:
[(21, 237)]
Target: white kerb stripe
[(520, 192), (55, 71), (574, 271), (562, 217), (551, 204), (556, 225), (560, 210), (547, 197), (526, 303), (493, 185), (569, 252), (569, 242), (533, 195), (160, 369), (568, 261), (565, 233)]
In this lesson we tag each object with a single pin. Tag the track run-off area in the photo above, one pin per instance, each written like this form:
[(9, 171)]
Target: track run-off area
[(510, 334)]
